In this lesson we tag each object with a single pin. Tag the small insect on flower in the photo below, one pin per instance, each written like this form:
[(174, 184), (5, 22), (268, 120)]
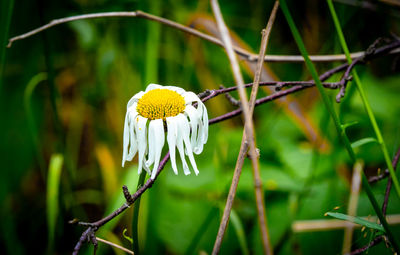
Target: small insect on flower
[(181, 112)]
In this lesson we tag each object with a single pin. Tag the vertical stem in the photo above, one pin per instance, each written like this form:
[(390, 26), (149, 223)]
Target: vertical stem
[(338, 125), (135, 217), (365, 101), (248, 134)]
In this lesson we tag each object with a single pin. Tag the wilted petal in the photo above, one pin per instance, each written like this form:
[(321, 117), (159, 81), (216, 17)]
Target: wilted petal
[(171, 138), (194, 118), (132, 134), (179, 144), (203, 128), (151, 147), (142, 139), (205, 124), (126, 140), (159, 137), (185, 130)]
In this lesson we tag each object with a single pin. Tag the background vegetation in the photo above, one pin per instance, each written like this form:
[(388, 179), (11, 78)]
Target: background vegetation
[(63, 102)]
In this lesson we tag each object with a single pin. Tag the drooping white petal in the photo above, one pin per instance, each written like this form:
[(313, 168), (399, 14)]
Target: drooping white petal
[(205, 124), (140, 124), (171, 139), (202, 135), (185, 130), (126, 140), (159, 137), (179, 144), (151, 147), (132, 135), (152, 86), (194, 118)]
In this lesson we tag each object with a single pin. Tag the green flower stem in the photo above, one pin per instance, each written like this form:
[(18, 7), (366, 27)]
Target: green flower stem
[(364, 99), (338, 125), (135, 217)]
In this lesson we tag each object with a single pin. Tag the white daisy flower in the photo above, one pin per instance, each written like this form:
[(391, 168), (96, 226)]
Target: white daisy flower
[(159, 109)]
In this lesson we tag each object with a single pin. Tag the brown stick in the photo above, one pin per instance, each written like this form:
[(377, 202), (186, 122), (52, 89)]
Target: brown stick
[(139, 14), (248, 135)]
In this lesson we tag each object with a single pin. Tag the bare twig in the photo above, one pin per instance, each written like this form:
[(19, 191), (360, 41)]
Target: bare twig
[(379, 177), (114, 245), (374, 242), (389, 183), (248, 135), (230, 98), (93, 227), (139, 14)]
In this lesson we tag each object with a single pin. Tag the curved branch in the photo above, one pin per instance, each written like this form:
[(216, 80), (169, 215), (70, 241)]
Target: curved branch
[(139, 14)]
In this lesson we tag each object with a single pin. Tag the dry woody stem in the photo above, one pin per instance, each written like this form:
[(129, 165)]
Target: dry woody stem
[(248, 135), (139, 14)]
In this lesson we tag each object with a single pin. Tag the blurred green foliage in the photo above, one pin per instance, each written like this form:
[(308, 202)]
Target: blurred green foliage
[(64, 92)]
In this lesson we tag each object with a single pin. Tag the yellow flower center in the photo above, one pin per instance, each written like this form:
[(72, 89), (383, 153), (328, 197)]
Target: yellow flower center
[(160, 104)]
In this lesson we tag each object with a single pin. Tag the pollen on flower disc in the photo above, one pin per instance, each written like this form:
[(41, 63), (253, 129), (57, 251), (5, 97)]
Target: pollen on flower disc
[(160, 104)]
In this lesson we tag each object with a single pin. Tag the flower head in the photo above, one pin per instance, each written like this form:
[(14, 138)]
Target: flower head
[(161, 108)]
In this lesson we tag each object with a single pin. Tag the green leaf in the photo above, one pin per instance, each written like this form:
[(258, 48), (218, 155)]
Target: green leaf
[(346, 125), (356, 220), (32, 127), (363, 141), (53, 186)]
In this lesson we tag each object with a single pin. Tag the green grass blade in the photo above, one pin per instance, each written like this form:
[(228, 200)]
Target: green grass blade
[(338, 125), (152, 46), (365, 100), (346, 125), (363, 141), (52, 201), (37, 79), (356, 220), (238, 226)]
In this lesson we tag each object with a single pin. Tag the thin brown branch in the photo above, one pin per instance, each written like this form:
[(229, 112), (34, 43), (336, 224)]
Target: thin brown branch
[(379, 177), (248, 134), (139, 14), (114, 245), (389, 183), (374, 242)]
